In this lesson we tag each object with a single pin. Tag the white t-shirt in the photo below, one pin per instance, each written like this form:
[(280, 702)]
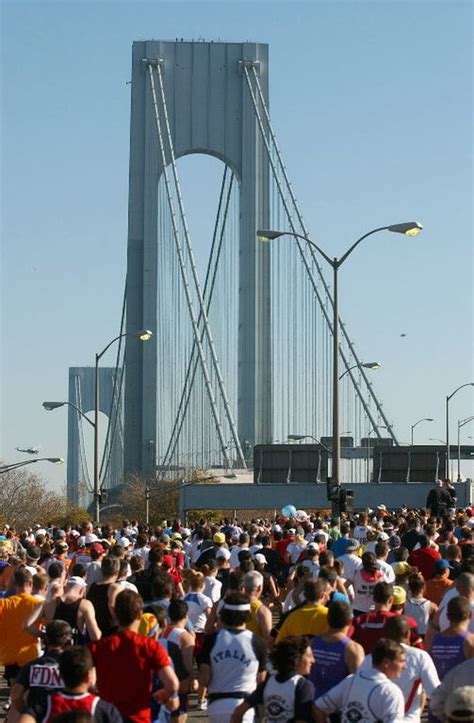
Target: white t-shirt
[(212, 588), (364, 589), (312, 566), (234, 556), (420, 667), (367, 696), (197, 603), (351, 564), (360, 533), (294, 550), (418, 609), (142, 552), (387, 570)]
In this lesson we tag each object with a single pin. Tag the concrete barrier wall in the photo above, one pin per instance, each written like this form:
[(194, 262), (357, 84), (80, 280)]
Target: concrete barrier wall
[(306, 496)]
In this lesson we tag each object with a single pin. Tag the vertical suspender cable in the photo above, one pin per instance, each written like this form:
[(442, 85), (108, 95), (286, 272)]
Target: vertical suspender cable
[(180, 255), (207, 330), (312, 253), (193, 361)]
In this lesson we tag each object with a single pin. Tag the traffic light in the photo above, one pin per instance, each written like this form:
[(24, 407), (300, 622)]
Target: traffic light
[(332, 489)]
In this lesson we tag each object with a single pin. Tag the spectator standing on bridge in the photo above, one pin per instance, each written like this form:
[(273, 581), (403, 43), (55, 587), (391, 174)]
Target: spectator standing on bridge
[(439, 499)]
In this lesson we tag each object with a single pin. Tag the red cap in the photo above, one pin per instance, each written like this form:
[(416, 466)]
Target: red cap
[(168, 560)]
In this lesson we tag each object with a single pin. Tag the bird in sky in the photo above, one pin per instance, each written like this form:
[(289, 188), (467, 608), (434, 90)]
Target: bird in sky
[(403, 334)]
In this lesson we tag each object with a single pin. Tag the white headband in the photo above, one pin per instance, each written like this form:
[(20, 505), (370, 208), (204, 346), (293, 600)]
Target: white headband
[(243, 607)]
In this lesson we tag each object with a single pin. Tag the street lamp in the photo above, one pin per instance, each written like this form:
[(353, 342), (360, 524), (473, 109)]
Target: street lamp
[(16, 465), (448, 398), (364, 365), (143, 335), (425, 419), (461, 423), (49, 406), (411, 228)]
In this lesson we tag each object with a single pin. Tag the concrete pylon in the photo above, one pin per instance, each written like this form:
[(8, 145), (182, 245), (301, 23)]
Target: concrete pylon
[(210, 111)]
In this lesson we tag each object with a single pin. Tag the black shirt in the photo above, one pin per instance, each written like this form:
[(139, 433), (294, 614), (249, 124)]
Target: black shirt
[(40, 677)]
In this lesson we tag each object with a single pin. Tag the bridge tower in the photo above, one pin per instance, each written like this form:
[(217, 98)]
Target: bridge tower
[(82, 396), (210, 111)]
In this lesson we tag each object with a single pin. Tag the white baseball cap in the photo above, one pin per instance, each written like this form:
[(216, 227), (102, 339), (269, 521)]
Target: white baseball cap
[(223, 552)]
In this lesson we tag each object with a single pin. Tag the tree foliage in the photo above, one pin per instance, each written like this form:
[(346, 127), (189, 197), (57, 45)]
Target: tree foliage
[(25, 501), (164, 499)]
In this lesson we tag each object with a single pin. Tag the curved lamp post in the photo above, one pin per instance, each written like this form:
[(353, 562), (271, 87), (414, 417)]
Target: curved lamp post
[(364, 365), (16, 465), (425, 419), (448, 398), (143, 335), (412, 228)]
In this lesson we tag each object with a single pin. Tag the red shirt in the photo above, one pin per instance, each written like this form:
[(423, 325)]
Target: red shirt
[(368, 628), (424, 559), (281, 546), (124, 663)]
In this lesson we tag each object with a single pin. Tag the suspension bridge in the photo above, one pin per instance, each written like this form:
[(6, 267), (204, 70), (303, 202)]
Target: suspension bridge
[(242, 355)]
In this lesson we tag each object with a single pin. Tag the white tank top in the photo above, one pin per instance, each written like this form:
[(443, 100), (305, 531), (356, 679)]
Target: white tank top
[(174, 636), (279, 699)]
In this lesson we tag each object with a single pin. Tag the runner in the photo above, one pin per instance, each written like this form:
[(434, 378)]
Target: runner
[(369, 695), (232, 661)]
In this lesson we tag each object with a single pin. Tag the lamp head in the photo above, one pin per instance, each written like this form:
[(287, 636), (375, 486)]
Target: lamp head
[(55, 460), (53, 405), (371, 365), (267, 235), (145, 335), (411, 228), (296, 437)]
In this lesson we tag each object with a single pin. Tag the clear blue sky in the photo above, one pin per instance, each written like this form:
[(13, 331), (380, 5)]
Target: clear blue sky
[(372, 104)]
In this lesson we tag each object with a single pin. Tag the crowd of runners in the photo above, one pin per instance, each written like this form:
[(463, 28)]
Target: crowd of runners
[(358, 618)]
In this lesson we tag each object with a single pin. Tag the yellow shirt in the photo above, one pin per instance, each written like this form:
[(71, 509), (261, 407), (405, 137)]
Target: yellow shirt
[(253, 625), (16, 645), (310, 619)]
